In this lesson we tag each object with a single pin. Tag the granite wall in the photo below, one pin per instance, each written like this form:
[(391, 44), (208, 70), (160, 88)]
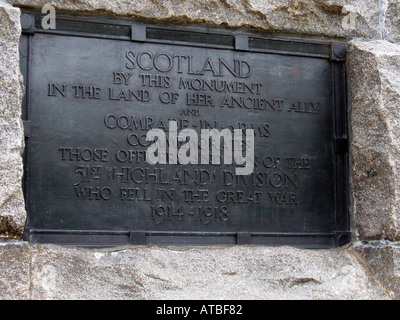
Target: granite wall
[(369, 268)]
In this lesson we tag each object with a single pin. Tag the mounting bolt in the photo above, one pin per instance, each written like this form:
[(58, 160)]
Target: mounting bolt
[(27, 23), (338, 51)]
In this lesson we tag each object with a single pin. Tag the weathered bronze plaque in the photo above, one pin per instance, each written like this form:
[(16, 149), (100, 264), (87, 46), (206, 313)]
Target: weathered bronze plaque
[(187, 135)]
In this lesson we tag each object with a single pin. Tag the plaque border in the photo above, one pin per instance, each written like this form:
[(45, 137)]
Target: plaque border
[(210, 37)]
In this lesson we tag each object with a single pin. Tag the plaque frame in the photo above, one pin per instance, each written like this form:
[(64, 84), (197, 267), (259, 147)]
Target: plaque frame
[(205, 37)]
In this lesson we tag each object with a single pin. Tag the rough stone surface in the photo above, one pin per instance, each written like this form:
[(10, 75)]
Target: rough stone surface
[(317, 17), (392, 20), (32, 271), (384, 261), (12, 209), (374, 69), (14, 271)]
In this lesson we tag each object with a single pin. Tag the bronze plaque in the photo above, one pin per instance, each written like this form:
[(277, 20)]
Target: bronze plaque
[(182, 135)]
